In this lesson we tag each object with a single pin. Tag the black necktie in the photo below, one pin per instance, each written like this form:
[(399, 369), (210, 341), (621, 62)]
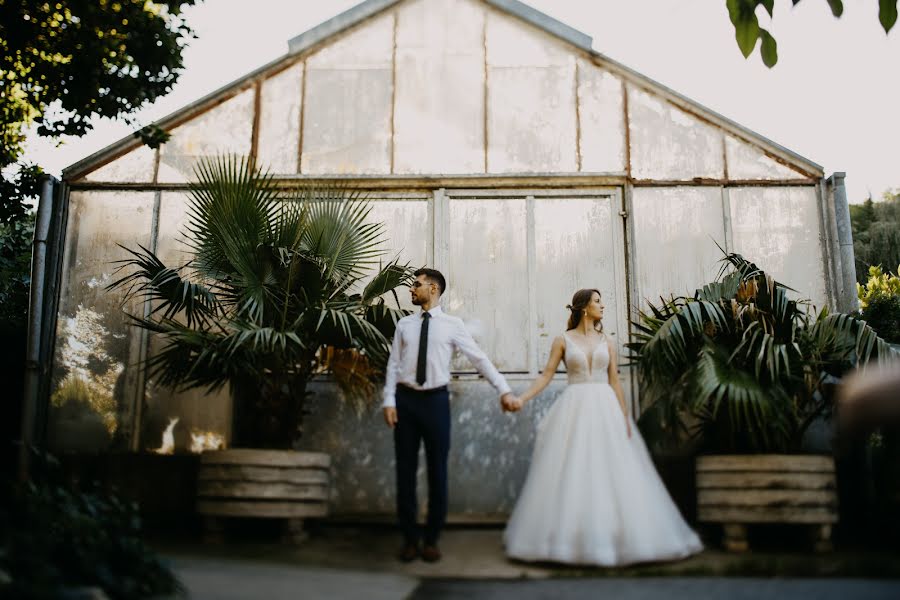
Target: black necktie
[(423, 349)]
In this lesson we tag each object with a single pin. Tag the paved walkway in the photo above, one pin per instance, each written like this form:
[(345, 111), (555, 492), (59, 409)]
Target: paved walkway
[(358, 562)]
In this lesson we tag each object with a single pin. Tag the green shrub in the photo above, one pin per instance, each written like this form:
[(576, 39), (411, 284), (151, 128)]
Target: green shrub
[(879, 300), (53, 536)]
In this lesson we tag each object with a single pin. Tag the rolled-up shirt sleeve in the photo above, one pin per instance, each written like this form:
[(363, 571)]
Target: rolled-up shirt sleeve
[(463, 342), (391, 372)]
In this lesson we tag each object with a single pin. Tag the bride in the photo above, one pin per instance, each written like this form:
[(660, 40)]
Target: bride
[(592, 495)]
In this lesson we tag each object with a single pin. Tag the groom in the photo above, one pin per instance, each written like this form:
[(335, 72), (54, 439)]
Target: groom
[(416, 405)]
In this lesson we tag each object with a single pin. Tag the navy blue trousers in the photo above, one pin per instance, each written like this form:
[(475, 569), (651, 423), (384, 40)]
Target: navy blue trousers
[(422, 417)]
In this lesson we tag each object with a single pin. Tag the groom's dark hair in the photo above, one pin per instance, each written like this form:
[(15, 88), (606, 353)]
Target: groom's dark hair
[(434, 276)]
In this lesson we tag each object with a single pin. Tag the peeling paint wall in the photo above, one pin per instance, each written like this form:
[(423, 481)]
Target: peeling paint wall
[(489, 451), (95, 379)]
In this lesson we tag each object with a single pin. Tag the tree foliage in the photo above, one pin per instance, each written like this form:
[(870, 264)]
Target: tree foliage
[(747, 29), (66, 62), (876, 234)]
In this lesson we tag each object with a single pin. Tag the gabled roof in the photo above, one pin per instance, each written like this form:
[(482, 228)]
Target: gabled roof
[(369, 8)]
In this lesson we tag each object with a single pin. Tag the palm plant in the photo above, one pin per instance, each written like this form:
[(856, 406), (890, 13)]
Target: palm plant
[(271, 297), (740, 367)]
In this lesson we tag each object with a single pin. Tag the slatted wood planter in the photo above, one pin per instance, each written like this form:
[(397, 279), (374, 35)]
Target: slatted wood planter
[(741, 490), (263, 483)]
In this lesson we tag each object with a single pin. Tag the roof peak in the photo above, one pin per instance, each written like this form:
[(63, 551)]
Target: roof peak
[(369, 8)]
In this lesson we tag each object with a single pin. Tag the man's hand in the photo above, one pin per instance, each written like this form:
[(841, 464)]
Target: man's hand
[(510, 403), (390, 416)]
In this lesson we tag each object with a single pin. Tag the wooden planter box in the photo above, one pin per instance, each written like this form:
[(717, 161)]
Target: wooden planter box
[(740, 490), (263, 483)]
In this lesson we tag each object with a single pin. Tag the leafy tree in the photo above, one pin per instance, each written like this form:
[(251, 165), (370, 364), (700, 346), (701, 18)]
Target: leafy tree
[(66, 62), (747, 29), (876, 234)]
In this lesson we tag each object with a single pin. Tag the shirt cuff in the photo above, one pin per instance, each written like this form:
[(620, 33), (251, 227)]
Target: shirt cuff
[(504, 388), (389, 402)]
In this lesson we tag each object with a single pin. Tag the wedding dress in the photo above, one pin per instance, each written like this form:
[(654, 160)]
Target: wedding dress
[(592, 494)]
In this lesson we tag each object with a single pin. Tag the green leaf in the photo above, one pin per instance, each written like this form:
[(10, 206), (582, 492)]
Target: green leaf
[(746, 32), (768, 49), (837, 7), (887, 14), (769, 5)]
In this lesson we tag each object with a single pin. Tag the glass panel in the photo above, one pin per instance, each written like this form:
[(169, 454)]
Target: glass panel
[(487, 278), (97, 351), (347, 116), (531, 100), (279, 121), (675, 231), (439, 113), (749, 162), (668, 143), (778, 229), (227, 128), (407, 233), (574, 249), (134, 166), (198, 420), (602, 119)]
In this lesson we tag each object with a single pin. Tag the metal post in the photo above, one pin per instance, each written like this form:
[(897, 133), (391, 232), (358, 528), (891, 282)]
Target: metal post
[(35, 323), (847, 300)]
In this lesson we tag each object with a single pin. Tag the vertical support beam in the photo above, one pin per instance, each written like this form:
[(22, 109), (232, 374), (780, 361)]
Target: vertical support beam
[(140, 386), (632, 287), (847, 300), (726, 220), (627, 122), (393, 89), (440, 218), (156, 157), (302, 119), (254, 131), (29, 435), (578, 159), (531, 268), (485, 90), (829, 242)]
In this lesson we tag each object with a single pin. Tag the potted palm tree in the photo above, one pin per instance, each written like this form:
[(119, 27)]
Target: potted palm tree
[(272, 296), (740, 371)]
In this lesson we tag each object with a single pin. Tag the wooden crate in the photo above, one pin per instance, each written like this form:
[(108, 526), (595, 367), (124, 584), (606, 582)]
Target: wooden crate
[(738, 490), (263, 483)]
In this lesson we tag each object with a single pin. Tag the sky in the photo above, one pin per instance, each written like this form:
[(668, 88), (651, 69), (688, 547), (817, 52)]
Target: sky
[(833, 97)]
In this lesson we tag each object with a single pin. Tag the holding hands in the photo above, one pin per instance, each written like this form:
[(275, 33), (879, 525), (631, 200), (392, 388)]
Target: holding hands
[(510, 403)]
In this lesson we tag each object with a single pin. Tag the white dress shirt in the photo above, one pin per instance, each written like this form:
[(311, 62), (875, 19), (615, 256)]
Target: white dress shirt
[(445, 334)]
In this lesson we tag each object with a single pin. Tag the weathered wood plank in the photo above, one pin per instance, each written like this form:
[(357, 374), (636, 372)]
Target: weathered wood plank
[(766, 462), (283, 458), (263, 474), (768, 514), (767, 498), (248, 508), (268, 491), (765, 480)]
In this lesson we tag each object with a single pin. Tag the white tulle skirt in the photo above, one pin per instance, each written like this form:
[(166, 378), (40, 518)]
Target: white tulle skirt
[(592, 495)]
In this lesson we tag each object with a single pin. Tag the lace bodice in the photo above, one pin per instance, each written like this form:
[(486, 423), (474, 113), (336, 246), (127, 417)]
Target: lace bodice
[(581, 369)]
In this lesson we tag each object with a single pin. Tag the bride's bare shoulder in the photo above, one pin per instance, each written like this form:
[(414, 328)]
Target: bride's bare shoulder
[(559, 342)]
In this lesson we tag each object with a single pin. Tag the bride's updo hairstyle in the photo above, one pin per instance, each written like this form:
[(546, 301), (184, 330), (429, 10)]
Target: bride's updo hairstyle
[(576, 310)]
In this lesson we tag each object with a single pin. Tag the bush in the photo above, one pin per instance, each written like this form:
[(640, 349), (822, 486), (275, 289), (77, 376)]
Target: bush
[(879, 300), (54, 536)]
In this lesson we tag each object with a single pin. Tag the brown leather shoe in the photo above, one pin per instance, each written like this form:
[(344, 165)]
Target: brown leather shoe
[(408, 553), (431, 554)]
